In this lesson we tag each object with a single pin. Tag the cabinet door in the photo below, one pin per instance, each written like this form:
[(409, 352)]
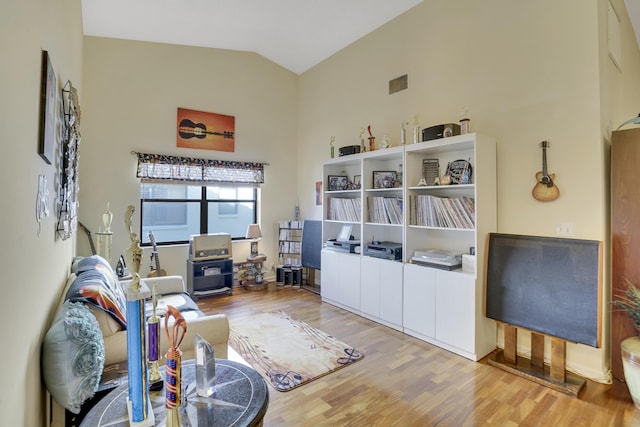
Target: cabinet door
[(341, 278), (455, 310), (391, 292), (370, 286), (329, 280), (419, 313)]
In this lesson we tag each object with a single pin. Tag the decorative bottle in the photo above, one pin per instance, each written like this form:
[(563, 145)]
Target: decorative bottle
[(331, 146), (398, 182), (416, 130), (205, 367), (465, 122)]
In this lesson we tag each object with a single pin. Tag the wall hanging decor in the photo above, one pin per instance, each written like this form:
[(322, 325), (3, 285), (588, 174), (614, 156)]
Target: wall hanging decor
[(205, 131), (48, 89), (68, 173)]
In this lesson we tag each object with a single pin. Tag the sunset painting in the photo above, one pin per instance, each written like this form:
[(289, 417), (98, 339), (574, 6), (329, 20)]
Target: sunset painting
[(205, 131)]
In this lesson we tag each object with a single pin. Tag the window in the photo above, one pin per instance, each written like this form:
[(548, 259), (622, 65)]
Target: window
[(182, 196), (174, 212)]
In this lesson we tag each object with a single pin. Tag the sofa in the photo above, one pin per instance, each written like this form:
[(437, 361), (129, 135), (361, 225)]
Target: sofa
[(93, 308)]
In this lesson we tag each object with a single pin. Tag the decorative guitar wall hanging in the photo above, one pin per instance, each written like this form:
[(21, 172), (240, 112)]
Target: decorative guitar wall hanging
[(188, 129), (545, 189)]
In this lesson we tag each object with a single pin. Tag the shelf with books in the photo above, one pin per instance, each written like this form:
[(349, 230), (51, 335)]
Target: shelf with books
[(396, 186), (382, 179), (455, 217), (289, 242)]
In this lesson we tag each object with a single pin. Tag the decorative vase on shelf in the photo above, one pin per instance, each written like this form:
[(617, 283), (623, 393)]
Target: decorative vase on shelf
[(631, 367)]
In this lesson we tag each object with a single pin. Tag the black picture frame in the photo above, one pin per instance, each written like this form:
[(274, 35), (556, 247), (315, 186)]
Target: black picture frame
[(384, 179), (48, 91), (337, 182)]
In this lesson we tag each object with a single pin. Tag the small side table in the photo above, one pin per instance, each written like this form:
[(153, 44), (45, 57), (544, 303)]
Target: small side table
[(255, 263), (241, 399)]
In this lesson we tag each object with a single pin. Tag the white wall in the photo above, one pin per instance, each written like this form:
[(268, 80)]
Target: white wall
[(527, 72), (33, 268), (131, 95)]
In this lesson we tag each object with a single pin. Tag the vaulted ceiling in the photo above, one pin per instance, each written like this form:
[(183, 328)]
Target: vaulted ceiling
[(297, 34)]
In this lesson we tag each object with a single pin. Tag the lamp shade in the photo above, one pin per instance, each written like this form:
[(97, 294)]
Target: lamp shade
[(253, 231)]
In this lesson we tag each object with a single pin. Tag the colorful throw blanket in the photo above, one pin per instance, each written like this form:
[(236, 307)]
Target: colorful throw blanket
[(96, 284)]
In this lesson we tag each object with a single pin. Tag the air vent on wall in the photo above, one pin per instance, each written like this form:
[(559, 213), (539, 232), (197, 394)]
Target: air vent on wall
[(398, 84)]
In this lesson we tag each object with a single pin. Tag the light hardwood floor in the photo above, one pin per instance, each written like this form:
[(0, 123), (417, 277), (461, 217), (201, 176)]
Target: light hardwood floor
[(403, 381)]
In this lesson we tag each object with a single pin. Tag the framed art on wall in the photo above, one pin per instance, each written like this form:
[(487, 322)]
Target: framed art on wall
[(48, 91), (318, 193), (205, 131), (69, 155)]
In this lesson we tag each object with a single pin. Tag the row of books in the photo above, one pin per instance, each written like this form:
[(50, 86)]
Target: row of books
[(284, 260), (385, 210), (291, 224), (341, 209), (290, 247), (290, 234), (449, 212)]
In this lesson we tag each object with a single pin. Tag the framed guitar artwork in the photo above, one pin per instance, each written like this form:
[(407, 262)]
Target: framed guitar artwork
[(205, 131), (545, 189)]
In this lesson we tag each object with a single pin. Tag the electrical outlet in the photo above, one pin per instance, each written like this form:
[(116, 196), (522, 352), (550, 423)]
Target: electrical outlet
[(564, 229)]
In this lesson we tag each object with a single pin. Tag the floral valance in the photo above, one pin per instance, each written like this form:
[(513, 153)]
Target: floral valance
[(174, 168)]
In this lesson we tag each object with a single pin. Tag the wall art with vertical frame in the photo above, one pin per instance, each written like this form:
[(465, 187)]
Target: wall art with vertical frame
[(48, 95), (69, 153)]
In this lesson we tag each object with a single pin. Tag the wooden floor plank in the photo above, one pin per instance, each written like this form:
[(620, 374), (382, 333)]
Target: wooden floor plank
[(403, 381)]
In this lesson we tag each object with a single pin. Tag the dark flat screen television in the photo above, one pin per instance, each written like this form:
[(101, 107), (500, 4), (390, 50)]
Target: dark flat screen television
[(548, 285)]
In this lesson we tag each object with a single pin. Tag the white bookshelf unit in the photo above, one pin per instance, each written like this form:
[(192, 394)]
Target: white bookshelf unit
[(436, 305)]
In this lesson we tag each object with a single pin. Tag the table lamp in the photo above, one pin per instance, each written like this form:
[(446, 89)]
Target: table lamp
[(254, 233)]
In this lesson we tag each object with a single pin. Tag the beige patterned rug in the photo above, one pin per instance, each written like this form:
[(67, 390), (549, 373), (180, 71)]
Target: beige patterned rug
[(288, 352)]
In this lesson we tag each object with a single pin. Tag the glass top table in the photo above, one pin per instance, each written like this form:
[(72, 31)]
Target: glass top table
[(241, 399)]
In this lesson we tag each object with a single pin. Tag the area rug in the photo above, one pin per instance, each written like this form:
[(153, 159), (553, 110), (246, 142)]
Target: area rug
[(287, 352)]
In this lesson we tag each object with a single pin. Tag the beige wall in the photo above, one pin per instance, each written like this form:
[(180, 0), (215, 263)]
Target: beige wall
[(527, 72), (33, 268), (131, 95)]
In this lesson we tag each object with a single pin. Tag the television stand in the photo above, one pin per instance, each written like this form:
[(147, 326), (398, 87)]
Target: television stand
[(534, 369)]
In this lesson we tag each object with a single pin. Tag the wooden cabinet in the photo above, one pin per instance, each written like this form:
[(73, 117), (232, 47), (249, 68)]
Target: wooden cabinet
[(625, 234)]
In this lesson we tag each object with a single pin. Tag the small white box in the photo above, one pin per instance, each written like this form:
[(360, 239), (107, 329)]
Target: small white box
[(468, 263)]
